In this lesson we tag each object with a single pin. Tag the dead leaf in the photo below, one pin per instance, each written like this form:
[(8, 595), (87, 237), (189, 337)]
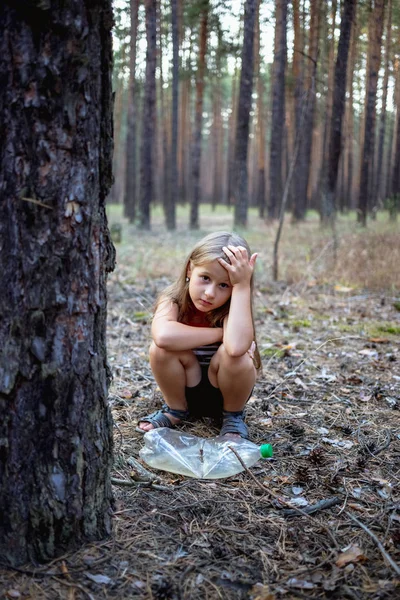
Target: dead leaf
[(354, 379), (352, 554), (379, 340)]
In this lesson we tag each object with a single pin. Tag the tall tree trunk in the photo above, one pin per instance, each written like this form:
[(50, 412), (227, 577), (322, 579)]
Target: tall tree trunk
[(378, 188), (305, 118), (261, 126), (184, 136), (231, 140), (278, 110), (297, 80), (331, 82), (173, 184), (326, 93), (56, 159), (349, 145), (374, 59), (338, 106), (217, 129), (119, 163), (243, 115), (196, 149), (148, 125), (163, 166), (130, 151), (394, 180)]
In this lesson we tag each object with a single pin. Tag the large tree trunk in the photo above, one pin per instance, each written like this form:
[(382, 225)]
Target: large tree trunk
[(374, 59), (197, 134), (130, 150), (338, 105), (240, 190), (55, 152), (148, 125), (278, 110)]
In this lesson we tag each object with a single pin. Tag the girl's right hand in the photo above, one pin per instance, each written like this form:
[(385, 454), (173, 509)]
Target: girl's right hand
[(241, 268)]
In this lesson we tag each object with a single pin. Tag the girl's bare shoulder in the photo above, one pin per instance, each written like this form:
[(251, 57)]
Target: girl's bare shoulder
[(166, 308)]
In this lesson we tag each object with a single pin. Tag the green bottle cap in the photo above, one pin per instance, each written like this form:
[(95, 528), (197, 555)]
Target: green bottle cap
[(266, 451)]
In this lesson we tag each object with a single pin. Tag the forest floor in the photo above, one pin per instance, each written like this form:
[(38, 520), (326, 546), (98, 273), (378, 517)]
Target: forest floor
[(319, 520)]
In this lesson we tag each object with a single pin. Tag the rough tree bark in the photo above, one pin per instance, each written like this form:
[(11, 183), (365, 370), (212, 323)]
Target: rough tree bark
[(240, 190), (56, 156)]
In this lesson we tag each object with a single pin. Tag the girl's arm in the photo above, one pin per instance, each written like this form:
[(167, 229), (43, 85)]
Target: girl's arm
[(168, 334), (238, 326)]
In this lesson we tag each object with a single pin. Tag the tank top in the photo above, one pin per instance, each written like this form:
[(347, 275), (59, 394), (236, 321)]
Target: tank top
[(205, 353)]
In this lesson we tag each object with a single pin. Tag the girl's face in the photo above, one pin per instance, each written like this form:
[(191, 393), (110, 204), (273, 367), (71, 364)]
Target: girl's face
[(209, 286)]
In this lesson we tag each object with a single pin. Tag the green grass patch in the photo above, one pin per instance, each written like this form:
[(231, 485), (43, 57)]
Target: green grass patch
[(300, 323), (389, 328), (272, 352)]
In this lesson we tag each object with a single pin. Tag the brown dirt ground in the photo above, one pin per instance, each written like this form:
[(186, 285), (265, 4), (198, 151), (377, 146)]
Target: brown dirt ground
[(328, 401)]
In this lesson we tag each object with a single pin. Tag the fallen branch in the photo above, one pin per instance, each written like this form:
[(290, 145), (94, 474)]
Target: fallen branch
[(385, 555), (139, 484), (321, 505)]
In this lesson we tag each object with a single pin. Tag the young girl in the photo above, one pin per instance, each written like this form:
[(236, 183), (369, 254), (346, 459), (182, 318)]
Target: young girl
[(203, 355)]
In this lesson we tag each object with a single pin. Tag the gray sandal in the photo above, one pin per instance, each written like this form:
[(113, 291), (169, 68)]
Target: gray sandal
[(160, 419), (232, 422)]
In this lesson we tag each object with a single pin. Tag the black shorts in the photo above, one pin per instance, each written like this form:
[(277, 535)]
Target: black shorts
[(204, 400)]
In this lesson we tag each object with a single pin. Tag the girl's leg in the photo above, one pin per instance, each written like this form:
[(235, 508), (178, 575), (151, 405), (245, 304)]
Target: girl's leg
[(172, 372), (235, 376)]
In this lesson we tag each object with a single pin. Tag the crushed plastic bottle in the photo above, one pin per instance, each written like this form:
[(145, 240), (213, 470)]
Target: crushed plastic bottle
[(185, 454)]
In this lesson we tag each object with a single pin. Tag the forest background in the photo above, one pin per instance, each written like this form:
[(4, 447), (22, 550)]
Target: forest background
[(291, 105)]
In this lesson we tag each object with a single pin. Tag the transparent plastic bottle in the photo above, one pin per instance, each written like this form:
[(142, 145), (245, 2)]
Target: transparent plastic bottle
[(204, 458)]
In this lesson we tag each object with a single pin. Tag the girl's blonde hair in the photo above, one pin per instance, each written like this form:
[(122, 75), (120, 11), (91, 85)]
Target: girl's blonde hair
[(205, 251)]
